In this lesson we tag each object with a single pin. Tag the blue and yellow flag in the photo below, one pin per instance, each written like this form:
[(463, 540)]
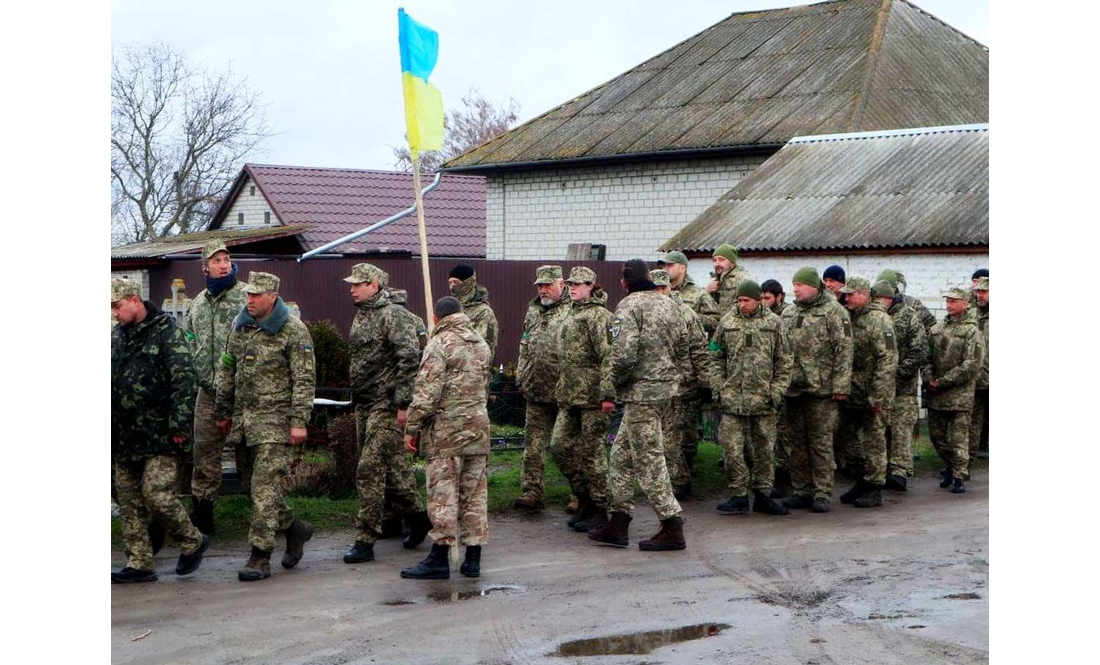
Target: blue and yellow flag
[(423, 103)]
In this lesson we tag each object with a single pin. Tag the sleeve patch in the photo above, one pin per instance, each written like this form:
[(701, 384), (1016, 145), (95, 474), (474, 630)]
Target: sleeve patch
[(890, 344), (714, 345), (189, 335), (305, 348), (847, 328), (228, 360), (614, 328)]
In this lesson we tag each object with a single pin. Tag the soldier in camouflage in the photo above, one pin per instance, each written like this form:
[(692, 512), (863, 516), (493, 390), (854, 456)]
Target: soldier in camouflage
[(537, 373), (676, 264), (152, 397), (834, 279), (266, 384), (775, 299), (819, 334), (400, 297), (725, 278), (912, 352), (874, 363), (449, 417), (643, 370), (475, 303), (384, 356), (980, 411), (897, 279), (208, 324), (579, 440), (950, 377), (752, 371)]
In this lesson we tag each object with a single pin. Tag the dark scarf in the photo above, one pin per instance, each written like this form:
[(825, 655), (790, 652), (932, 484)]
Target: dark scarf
[(216, 285), (271, 325), (644, 285)]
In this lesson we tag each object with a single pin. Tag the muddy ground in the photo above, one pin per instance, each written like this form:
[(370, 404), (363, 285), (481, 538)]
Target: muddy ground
[(907, 583)]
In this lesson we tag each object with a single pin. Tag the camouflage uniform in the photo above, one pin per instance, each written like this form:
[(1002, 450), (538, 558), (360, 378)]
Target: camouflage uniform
[(980, 410), (537, 373), (912, 352), (700, 302), (579, 439), (680, 417), (955, 359), (152, 394), (401, 297), (927, 318), (752, 367), (384, 355), (643, 369), (448, 413), (475, 305), (266, 386), (726, 295), (819, 334)]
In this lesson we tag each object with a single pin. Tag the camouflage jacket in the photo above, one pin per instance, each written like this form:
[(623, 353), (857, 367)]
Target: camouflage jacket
[(384, 353), (955, 346), (983, 327), (751, 362), (927, 318), (475, 305), (152, 387), (646, 332), (819, 334), (699, 300), (691, 351), (726, 295), (448, 409), (912, 347), (874, 358), (267, 377), (401, 297), (537, 367), (582, 346), (208, 324), (780, 307)]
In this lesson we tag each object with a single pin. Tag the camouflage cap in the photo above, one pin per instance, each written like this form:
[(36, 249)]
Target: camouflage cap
[(956, 293), (882, 289), (212, 247), (582, 275), (124, 288), (982, 285), (856, 283), (261, 282), (547, 274), (365, 272), (659, 277), (676, 257)]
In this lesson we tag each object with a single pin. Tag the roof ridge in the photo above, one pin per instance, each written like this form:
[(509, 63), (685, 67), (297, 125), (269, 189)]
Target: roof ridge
[(343, 170), (944, 23), (891, 133)]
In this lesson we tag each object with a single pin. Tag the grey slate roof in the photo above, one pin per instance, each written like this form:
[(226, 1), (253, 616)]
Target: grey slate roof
[(191, 243), (760, 78), (909, 188)]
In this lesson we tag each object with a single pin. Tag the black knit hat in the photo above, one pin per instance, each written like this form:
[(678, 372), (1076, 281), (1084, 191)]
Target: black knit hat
[(834, 272), (980, 272), (635, 271), (462, 272), (773, 287)]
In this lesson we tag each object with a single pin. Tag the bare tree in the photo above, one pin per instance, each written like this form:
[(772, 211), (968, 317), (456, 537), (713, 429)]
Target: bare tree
[(178, 137), (477, 121)]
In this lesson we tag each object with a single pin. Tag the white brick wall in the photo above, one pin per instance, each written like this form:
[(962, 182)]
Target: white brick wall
[(926, 275), (631, 208), (253, 206), (140, 276)]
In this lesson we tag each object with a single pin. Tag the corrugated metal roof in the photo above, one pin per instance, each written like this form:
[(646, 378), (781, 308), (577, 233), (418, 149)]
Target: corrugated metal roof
[(191, 243), (916, 188), (759, 78), (331, 203)]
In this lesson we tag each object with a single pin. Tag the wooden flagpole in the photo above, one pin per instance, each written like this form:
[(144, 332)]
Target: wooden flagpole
[(429, 303)]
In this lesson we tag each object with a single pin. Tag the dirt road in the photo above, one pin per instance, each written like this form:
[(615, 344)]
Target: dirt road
[(907, 583)]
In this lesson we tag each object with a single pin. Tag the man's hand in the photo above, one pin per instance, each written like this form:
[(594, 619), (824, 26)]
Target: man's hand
[(607, 406), (712, 287), (298, 435), (180, 439), (935, 383), (837, 397), (402, 417), (410, 443), (224, 426)]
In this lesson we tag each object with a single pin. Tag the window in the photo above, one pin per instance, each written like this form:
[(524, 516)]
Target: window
[(240, 218), (267, 218), (252, 190)]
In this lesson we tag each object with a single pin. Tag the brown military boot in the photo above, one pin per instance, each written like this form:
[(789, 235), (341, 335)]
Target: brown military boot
[(616, 533), (574, 505), (297, 534), (529, 502), (257, 568), (670, 537)]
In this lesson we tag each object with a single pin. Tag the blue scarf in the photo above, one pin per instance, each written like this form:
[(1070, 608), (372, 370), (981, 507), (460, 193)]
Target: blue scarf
[(216, 285)]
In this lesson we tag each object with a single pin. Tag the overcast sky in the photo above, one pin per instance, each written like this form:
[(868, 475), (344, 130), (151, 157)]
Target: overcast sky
[(330, 74)]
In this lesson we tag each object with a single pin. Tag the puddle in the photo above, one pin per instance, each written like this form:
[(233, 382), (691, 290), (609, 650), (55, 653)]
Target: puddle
[(398, 602), (637, 643), (962, 596), (455, 595), (916, 626)]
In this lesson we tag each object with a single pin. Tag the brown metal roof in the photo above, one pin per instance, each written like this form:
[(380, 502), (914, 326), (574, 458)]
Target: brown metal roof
[(331, 203), (758, 79), (908, 188), (191, 243)]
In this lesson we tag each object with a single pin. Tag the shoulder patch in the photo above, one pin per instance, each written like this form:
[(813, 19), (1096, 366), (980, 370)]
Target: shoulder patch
[(305, 348), (847, 327), (613, 329), (890, 343)]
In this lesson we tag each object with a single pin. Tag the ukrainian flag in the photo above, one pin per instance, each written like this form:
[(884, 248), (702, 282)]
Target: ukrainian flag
[(423, 103)]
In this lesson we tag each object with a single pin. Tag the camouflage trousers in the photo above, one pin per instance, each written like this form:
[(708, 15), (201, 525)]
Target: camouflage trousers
[(753, 432), (871, 427), (539, 427), (782, 439), (810, 423), (270, 511), (638, 455), (579, 447), (899, 436), (384, 472), (146, 490), (458, 496), (208, 444), (950, 434), (978, 415), (680, 426), (847, 441)]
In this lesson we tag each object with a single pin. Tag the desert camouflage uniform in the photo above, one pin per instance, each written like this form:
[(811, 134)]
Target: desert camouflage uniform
[(912, 351), (726, 295), (700, 301), (819, 334), (752, 371), (266, 386), (955, 359), (643, 369), (475, 305), (680, 417), (980, 411), (152, 394), (384, 356), (448, 413)]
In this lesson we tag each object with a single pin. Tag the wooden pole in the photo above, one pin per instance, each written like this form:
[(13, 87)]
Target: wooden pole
[(429, 303)]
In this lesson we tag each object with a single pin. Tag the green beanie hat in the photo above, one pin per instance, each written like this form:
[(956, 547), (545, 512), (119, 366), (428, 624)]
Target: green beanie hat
[(888, 276), (808, 275), (727, 250), (748, 289)]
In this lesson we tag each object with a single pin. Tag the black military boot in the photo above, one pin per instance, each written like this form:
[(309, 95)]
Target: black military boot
[(297, 534), (584, 508), (580, 521), (596, 520), (821, 505), (419, 526), (360, 552), (471, 567), (189, 563), (130, 575), (870, 498), (947, 478), (670, 537), (257, 568), (896, 482), (957, 486), (762, 503), (202, 515), (616, 533), (782, 484), (391, 528), (796, 501), (858, 490), (157, 535), (735, 505), (433, 567)]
